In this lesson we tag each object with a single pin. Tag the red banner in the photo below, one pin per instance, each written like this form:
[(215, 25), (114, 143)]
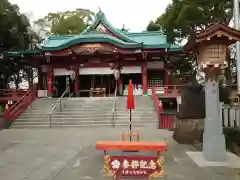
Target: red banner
[(130, 97), (134, 166)]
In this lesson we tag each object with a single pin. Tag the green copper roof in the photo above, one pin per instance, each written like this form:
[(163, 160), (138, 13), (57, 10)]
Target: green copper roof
[(21, 53), (122, 39), (57, 42), (153, 38)]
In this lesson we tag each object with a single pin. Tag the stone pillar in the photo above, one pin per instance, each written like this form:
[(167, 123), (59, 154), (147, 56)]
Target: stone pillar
[(50, 81), (76, 82), (144, 78), (214, 147)]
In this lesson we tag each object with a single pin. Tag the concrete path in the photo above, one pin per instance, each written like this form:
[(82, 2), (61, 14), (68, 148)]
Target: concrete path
[(69, 154)]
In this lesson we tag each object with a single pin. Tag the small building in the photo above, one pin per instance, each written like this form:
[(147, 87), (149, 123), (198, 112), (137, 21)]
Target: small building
[(101, 59)]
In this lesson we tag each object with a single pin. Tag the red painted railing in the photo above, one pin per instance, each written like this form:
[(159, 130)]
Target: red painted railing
[(11, 94), (168, 89), (166, 120), (156, 102), (172, 89), (20, 106)]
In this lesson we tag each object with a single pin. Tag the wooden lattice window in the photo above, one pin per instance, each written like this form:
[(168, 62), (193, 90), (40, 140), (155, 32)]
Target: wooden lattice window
[(213, 53), (155, 82)]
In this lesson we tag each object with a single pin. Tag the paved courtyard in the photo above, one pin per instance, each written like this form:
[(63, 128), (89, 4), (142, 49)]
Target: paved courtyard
[(69, 154)]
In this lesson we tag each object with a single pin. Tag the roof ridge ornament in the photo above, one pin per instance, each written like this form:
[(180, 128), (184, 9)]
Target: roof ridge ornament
[(99, 9)]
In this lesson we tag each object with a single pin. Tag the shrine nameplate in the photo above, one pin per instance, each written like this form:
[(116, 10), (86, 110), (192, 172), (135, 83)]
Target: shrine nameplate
[(134, 166)]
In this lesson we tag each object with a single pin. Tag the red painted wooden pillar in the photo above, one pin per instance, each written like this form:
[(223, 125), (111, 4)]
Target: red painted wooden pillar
[(50, 81), (76, 82), (166, 78), (40, 79), (144, 78)]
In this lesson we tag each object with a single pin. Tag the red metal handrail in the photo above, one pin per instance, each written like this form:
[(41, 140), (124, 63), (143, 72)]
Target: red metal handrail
[(11, 94), (156, 102), (170, 89), (13, 91), (166, 121), (20, 106)]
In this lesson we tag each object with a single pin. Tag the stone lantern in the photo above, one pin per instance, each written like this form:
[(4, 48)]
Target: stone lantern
[(210, 47)]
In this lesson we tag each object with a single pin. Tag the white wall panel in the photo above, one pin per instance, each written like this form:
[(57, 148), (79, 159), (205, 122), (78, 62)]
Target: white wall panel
[(60, 72), (155, 65), (131, 69), (95, 70)]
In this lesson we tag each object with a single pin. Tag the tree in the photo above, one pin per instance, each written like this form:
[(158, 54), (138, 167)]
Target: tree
[(68, 22), (15, 34), (182, 18), (152, 26)]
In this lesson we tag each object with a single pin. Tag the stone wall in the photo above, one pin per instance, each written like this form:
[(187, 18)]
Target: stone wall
[(188, 131), (193, 102)]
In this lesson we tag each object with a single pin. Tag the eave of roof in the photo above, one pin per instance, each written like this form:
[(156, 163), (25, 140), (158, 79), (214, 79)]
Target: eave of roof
[(55, 44), (217, 31)]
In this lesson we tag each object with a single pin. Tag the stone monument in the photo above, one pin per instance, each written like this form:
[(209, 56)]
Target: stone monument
[(210, 47)]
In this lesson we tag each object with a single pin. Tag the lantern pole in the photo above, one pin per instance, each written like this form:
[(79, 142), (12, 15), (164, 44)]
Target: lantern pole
[(214, 147), (236, 25)]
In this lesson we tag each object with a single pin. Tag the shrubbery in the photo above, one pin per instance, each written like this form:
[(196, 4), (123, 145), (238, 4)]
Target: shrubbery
[(232, 136)]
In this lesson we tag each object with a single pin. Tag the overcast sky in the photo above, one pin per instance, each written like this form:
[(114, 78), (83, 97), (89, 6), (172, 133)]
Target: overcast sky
[(135, 14)]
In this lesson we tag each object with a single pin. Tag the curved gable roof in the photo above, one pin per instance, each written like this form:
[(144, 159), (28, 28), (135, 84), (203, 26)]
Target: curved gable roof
[(101, 19)]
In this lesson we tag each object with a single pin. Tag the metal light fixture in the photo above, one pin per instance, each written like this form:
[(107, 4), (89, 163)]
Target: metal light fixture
[(116, 73), (72, 74)]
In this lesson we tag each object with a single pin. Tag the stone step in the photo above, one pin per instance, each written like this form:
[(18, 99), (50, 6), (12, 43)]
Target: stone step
[(96, 122), (72, 109), (97, 115), (102, 118), (102, 112), (87, 112), (110, 108), (74, 126)]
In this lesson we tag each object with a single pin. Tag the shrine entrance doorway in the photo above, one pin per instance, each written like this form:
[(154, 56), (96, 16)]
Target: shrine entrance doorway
[(60, 85), (136, 81), (96, 85)]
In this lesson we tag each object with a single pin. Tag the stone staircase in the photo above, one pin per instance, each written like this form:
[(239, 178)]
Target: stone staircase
[(36, 115), (86, 112), (143, 114)]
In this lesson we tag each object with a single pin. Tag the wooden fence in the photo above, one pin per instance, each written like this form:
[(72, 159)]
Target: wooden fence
[(230, 115)]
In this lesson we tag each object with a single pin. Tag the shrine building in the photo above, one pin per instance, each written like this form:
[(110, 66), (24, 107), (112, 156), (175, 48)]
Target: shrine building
[(101, 59)]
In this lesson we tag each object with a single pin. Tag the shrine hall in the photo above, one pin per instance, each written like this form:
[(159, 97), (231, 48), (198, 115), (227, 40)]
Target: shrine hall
[(101, 60)]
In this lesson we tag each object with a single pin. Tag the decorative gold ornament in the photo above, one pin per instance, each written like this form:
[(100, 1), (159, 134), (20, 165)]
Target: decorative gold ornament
[(158, 173), (106, 168)]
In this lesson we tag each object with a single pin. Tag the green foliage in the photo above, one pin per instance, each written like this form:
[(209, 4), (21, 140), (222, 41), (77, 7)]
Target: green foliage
[(183, 18), (15, 34), (232, 136), (14, 27), (68, 22), (152, 26)]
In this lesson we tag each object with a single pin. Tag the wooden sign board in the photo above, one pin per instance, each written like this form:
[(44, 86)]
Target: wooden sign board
[(134, 166), (212, 54)]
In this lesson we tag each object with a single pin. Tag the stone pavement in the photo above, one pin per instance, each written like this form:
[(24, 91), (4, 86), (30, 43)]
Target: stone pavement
[(69, 154)]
